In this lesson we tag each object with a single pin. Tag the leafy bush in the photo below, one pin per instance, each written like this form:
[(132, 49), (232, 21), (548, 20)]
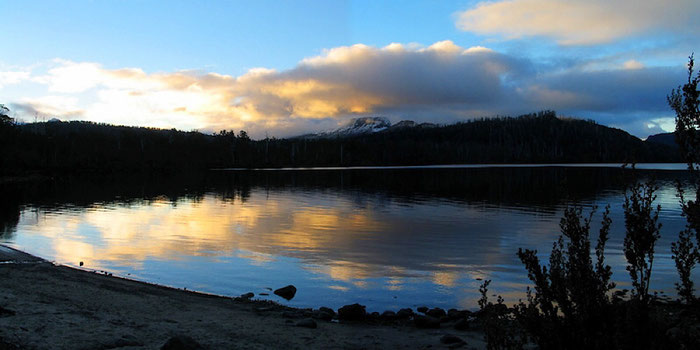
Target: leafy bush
[(685, 254), (498, 322), (572, 307), (571, 303), (685, 101), (643, 230)]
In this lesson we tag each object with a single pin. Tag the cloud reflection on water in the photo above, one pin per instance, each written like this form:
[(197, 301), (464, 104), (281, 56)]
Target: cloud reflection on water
[(338, 244)]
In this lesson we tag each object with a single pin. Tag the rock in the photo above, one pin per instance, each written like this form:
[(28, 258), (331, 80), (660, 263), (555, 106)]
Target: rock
[(462, 325), (451, 339), (81, 263), (323, 315), (327, 310), (124, 341), (436, 312), (181, 342), (6, 312), (426, 321), (306, 323), (422, 309), (352, 312), (455, 314), (7, 346), (389, 315), (247, 295), (291, 314), (287, 292), (404, 313)]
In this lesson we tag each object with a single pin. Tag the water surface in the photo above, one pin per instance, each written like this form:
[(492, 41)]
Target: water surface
[(383, 237)]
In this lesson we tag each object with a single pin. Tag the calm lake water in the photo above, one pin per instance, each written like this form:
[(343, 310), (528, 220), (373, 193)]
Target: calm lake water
[(386, 238)]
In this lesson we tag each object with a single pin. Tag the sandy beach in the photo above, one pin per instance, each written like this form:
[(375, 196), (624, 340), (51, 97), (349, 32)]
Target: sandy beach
[(49, 306)]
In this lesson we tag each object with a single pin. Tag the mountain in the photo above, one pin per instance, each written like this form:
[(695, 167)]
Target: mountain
[(68, 147), (366, 125), (668, 139), (356, 126), (411, 124), (532, 138)]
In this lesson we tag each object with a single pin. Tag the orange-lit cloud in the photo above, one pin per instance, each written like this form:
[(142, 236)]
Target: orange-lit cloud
[(579, 22), (442, 83), (343, 81)]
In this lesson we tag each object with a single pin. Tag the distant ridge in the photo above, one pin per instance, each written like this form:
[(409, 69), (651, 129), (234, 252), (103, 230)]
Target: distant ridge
[(68, 147), (668, 139)]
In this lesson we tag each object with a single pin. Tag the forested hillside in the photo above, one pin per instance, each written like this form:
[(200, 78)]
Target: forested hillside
[(535, 138)]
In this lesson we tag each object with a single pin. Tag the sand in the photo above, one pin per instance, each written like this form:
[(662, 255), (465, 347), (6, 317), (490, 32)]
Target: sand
[(48, 306)]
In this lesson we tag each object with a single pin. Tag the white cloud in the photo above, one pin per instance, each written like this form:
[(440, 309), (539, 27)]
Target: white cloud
[(442, 82), (632, 64), (13, 77), (580, 22)]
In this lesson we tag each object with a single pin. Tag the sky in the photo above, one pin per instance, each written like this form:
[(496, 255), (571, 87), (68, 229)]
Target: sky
[(284, 68)]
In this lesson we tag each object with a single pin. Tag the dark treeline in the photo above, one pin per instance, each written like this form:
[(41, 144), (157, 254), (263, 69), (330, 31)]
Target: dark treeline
[(534, 138)]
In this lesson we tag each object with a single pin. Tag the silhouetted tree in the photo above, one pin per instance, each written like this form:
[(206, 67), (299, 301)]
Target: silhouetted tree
[(4, 115), (641, 222), (685, 101), (571, 307)]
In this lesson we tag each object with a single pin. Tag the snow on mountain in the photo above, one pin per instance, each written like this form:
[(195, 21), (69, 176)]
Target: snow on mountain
[(367, 125)]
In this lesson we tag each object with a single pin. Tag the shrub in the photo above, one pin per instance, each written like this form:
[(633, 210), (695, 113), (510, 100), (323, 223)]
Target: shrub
[(498, 322), (571, 305), (685, 255), (685, 101), (641, 222)]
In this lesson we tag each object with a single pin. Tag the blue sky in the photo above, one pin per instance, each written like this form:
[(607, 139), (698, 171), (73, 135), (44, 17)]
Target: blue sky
[(286, 67)]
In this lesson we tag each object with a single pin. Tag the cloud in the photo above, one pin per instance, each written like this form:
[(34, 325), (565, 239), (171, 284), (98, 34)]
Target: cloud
[(62, 107), (442, 82), (580, 22), (614, 90), (632, 64), (12, 77), (343, 81), (359, 79)]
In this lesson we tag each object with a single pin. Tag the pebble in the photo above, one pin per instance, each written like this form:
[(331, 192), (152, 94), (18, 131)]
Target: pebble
[(307, 323), (181, 342), (451, 339), (426, 321), (6, 312), (462, 325)]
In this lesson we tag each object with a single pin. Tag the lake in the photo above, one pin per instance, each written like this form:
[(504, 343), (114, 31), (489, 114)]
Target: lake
[(383, 237)]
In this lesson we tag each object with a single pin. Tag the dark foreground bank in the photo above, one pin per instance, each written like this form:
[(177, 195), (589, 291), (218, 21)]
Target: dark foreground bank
[(45, 306)]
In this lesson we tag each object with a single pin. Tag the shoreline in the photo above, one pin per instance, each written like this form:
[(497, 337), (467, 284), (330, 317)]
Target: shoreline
[(49, 306)]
